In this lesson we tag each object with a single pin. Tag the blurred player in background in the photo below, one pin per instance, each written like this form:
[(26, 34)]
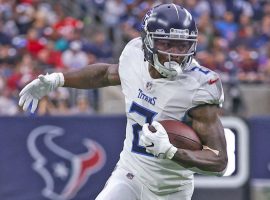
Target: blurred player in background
[(160, 80)]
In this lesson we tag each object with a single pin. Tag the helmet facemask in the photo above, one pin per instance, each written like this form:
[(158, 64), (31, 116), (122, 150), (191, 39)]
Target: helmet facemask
[(161, 43)]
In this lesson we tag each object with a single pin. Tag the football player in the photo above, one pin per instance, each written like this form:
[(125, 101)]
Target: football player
[(160, 79)]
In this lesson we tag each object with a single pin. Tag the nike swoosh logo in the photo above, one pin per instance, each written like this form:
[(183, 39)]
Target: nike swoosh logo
[(210, 82), (151, 145)]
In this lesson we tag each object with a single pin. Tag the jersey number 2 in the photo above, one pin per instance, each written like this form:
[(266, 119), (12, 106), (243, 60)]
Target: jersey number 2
[(148, 115)]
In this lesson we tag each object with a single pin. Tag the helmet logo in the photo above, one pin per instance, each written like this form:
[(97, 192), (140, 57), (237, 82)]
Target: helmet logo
[(146, 18)]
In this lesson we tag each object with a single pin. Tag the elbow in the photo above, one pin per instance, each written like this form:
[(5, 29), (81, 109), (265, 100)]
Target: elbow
[(222, 165), (224, 162)]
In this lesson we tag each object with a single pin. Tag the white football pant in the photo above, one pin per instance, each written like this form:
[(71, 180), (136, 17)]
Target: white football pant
[(123, 185)]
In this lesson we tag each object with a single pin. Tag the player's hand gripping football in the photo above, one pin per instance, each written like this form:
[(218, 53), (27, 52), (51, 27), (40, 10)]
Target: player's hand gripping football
[(157, 143), (38, 88)]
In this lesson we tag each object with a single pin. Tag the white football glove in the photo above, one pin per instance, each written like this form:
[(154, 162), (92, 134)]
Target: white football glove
[(157, 143), (38, 88)]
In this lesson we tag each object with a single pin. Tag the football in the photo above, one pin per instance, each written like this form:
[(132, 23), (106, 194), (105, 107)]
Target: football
[(180, 135)]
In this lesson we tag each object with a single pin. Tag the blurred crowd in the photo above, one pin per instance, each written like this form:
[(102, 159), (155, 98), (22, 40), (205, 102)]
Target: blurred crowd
[(44, 36)]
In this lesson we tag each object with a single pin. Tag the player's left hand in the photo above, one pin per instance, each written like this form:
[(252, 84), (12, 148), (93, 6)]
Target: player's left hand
[(157, 143)]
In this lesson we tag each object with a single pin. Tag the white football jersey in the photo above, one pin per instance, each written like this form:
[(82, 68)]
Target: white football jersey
[(148, 99)]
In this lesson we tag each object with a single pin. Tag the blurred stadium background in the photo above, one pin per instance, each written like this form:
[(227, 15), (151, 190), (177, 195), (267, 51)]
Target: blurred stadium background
[(43, 36)]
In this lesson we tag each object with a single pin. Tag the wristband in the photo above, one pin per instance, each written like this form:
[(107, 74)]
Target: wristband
[(170, 153), (61, 79)]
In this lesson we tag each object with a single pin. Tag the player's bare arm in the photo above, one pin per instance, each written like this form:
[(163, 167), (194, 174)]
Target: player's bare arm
[(93, 76), (213, 157)]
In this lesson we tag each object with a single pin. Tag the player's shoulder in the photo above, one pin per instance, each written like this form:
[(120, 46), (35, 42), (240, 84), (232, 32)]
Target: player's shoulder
[(131, 58), (135, 44), (202, 74), (210, 89), (132, 50)]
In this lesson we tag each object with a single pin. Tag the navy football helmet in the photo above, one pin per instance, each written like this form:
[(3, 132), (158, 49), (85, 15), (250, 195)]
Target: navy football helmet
[(165, 27)]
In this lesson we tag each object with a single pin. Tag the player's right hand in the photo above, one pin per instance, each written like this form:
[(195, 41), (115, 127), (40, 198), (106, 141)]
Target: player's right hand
[(38, 88), (157, 143)]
